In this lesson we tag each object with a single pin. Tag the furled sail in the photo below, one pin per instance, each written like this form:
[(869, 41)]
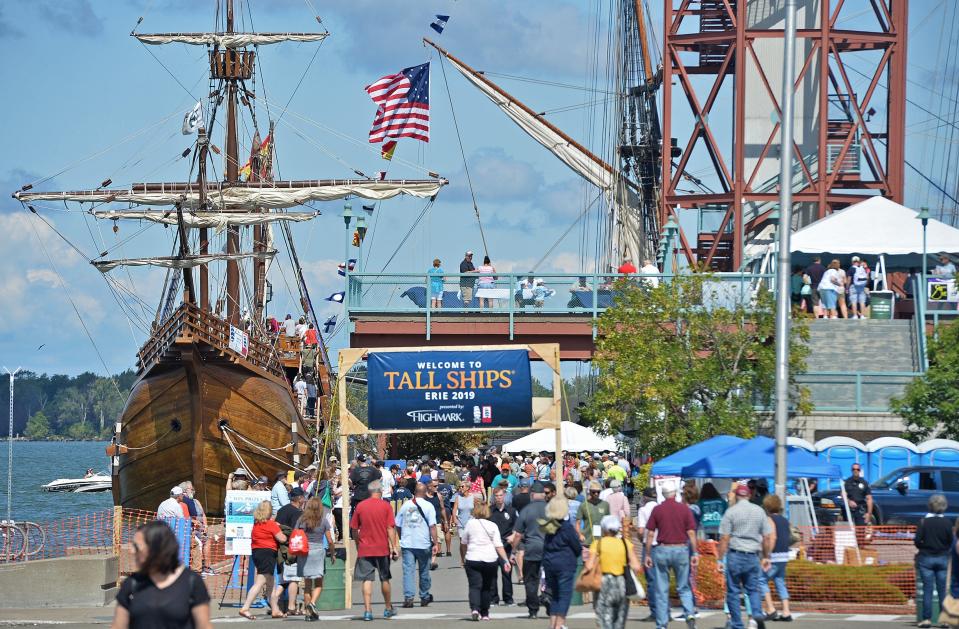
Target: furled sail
[(177, 262), (628, 234), (217, 220), (227, 40), (247, 196)]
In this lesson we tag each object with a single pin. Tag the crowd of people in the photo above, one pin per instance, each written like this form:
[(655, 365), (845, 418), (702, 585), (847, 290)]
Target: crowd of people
[(513, 530)]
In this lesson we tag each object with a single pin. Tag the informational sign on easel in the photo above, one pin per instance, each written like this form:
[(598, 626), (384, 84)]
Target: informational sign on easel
[(240, 506)]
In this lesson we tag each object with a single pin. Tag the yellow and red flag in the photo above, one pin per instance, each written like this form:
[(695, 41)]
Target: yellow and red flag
[(388, 149)]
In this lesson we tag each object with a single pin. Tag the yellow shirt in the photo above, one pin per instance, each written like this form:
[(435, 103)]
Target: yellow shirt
[(612, 556), (617, 472)]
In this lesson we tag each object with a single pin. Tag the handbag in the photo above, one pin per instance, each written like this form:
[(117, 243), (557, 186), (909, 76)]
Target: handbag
[(591, 577), (634, 589), (949, 606)]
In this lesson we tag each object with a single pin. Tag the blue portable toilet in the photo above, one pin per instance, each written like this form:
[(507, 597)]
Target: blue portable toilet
[(887, 454), (941, 452), (792, 484), (843, 451)]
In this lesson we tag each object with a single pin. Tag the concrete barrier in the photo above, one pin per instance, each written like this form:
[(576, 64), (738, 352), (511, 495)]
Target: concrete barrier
[(78, 581)]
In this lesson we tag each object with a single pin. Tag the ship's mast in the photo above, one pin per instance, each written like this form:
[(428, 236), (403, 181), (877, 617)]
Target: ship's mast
[(232, 175), (203, 142)]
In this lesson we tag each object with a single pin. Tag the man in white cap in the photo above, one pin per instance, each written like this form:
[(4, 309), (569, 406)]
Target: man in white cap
[(172, 506), (748, 535), (674, 526)]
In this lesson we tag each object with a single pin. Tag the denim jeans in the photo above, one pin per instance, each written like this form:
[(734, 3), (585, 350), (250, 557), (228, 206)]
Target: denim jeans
[(742, 573), (414, 558), (650, 587), (675, 558), (776, 574), (932, 569)]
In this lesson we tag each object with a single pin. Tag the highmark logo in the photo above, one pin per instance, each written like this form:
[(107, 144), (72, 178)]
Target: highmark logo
[(432, 416)]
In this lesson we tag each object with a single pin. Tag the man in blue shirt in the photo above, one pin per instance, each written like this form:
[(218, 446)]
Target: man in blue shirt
[(416, 523), (279, 497), (505, 474)]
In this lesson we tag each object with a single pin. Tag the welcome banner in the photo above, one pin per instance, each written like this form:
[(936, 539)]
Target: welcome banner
[(439, 390)]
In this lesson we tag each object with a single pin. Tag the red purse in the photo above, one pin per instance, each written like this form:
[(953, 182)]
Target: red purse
[(298, 544)]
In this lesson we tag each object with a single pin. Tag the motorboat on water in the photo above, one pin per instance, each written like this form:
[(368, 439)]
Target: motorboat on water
[(91, 482)]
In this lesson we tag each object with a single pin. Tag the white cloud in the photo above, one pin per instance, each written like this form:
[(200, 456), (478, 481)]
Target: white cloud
[(43, 276)]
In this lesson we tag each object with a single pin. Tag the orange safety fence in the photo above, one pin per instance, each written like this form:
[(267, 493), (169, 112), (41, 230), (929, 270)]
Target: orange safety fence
[(836, 569)]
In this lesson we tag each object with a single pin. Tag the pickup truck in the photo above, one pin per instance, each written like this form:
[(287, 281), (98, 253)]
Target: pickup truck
[(900, 497)]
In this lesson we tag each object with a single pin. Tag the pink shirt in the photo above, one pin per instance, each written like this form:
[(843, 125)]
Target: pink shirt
[(618, 504)]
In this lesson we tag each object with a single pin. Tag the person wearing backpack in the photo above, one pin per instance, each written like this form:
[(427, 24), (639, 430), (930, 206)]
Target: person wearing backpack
[(316, 526), (416, 522)]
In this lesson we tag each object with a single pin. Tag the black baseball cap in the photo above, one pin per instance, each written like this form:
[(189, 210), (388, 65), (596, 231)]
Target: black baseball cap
[(296, 492), (537, 488)]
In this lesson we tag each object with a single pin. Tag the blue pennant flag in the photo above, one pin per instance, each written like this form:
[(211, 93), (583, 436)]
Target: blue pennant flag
[(341, 267), (337, 297), (440, 23), (329, 324), (368, 209)]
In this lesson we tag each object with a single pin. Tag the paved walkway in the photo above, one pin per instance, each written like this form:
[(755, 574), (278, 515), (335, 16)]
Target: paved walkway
[(450, 592)]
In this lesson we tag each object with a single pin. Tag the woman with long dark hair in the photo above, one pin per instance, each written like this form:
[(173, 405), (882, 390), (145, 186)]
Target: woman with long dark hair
[(561, 552), (162, 592), (315, 522)]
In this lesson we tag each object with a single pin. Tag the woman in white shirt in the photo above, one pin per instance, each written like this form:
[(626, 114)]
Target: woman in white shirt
[(829, 289), (481, 551)]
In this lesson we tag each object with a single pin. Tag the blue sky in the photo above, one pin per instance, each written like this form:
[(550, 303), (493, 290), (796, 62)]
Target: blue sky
[(80, 92)]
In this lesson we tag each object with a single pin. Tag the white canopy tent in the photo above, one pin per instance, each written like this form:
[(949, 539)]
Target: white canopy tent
[(576, 438), (876, 226)]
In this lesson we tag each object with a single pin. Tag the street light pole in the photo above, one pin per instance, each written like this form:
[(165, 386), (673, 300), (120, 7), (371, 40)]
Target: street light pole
[(13, 375), (785, 226), (924, 217), (347, 219)]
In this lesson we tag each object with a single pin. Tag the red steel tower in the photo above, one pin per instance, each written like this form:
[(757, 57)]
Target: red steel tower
[(722, 79)]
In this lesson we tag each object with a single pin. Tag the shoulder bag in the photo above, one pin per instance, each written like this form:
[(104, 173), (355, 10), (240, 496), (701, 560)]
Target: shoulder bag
[(949, 607), (634, 589), (591, 577)]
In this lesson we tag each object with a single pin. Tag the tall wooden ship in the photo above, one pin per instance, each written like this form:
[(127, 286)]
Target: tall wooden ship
[(214, 388)]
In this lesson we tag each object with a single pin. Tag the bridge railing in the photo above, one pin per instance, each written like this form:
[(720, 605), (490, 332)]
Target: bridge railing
[(521, 293)]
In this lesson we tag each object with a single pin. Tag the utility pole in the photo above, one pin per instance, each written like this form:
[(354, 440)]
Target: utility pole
[(783, 306), (13, 375)]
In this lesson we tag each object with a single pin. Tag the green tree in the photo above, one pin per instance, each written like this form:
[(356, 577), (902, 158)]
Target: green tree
[(68, 407), (930, 403), (688, 360), (38, 427), (107, 403), (81, 431)]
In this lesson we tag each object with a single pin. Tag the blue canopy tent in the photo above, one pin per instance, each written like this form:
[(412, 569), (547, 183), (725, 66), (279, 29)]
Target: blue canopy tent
[(756, 458), (673, 464)]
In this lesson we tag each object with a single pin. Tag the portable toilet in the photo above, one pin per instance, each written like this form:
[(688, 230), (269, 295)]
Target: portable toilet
[(792, 484), (842, 451), (887, 454), (941, 452)]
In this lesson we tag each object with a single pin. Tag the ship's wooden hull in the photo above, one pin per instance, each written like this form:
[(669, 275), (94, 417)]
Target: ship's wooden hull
[(198, 395)]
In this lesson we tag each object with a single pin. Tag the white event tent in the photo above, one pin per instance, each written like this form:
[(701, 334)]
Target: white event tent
[(576, 438), (876, 226)]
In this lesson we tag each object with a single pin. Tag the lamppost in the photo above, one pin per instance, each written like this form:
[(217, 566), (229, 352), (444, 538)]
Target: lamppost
[(924, 218), (13, 375), (670, 230), (361, 230), (347, 220)]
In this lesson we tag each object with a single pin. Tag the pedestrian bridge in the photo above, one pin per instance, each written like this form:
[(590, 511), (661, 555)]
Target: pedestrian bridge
[(403, 309)]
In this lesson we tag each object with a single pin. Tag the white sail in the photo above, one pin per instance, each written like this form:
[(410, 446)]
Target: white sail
[(176, 262), (628, 236), (217, 220), (249, 198), (585, 165), (227, 40)]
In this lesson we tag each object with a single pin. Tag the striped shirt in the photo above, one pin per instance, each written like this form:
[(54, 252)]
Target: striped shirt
[(746, 524)]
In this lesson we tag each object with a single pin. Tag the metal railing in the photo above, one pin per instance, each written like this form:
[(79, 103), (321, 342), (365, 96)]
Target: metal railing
[(515, 295), (854, 392)]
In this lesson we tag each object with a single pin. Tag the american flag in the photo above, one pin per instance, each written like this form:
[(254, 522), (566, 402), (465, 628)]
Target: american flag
[(403, 105)]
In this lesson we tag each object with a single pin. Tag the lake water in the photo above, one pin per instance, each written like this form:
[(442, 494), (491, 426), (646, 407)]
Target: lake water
[(36, 463)]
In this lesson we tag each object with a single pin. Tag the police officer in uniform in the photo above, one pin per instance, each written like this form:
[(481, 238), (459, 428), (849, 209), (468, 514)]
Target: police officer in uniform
[(859, 496)]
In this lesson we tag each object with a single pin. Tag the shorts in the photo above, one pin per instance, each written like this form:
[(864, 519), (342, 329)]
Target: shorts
[(829, 299), (367, 567), (265, 561), (436, 290), (467, 294), (289, 573), (815, 297), (857, 294)]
